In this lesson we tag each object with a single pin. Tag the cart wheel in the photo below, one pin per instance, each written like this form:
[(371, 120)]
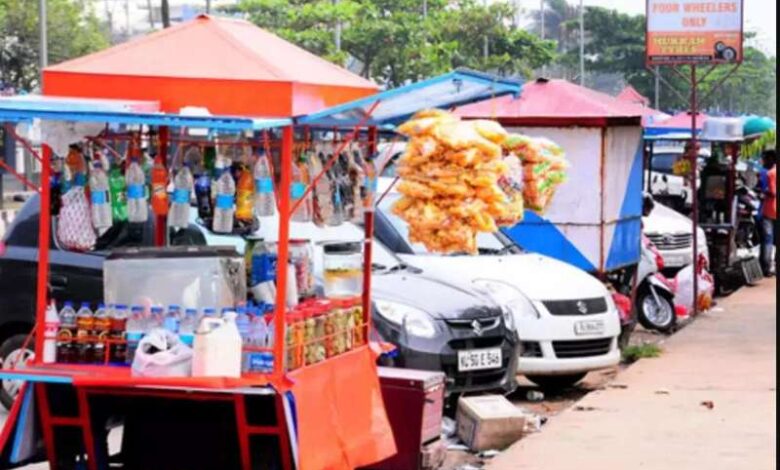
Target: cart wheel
[(12, 355), (659, 316)]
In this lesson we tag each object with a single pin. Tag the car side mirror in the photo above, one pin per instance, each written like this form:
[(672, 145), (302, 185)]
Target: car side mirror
[(648, 204)]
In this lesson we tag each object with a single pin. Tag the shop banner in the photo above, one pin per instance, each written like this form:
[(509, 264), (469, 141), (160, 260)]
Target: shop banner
[(694, 32)]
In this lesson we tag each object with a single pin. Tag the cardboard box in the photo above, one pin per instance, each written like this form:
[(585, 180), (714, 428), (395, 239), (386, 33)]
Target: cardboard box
[(489, 422)]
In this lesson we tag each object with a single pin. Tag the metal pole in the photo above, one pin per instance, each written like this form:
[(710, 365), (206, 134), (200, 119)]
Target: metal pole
[(582, 43), (337, 32), (44, 46), (657, 87), (542, 13), (425, 9), (208, 6), (694, 171)]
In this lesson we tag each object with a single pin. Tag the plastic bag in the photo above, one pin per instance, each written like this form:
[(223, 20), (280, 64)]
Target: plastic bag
[(684, 294), (74, 227), (161, 354)]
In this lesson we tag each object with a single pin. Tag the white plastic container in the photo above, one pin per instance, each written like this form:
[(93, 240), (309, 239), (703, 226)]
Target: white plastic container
[(217, 351)]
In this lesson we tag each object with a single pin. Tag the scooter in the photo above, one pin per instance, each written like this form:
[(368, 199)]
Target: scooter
[(655, 293), (748, 204)]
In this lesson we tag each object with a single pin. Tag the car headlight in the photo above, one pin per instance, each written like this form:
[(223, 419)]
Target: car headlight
[(510, 297), (413, 320)]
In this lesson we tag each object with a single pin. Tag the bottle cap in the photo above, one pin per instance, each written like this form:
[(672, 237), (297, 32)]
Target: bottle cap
[(191, 311), (137, 308), (209, 311), (174, 307), (121, 307), (68, 303), (157, 309), (101, 305)]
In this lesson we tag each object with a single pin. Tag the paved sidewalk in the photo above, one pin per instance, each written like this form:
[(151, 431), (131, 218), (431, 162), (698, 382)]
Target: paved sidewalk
[(726, 357)]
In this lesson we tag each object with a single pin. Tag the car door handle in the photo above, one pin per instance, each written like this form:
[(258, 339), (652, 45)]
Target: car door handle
[(58, 281)]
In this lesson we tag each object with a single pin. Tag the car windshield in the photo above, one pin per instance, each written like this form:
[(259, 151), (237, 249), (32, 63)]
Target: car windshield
[(664, 162), (488, 243), (269, 231)]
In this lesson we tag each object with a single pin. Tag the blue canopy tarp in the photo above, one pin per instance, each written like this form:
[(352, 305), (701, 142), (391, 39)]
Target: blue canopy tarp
[(392, 107), (25, 108)]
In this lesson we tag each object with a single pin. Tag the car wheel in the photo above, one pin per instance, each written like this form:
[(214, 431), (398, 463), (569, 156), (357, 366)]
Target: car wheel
[(656, 312), (556, 382), (12, 355), (730, 54)]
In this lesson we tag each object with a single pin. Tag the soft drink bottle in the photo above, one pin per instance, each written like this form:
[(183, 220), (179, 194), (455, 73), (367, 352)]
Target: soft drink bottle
[(118, 189), (159, 188), (300, 179), (203, 196), (85, 324), (65, 338), (188, 325), (137, 210), (225, 204), (118, 325), (101, 205), (102, 328), (265, 201), (135, 331), (51, 330), (179, 217), (172, 319), (245, 190)]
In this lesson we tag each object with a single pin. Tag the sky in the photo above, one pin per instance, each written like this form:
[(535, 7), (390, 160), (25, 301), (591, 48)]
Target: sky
[(760, 17)]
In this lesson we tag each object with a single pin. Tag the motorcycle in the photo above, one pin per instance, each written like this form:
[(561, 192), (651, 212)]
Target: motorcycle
[(748, 205), (655, 293)]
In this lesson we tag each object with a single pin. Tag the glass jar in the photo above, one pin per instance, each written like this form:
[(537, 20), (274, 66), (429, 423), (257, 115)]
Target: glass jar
[(294, 340), (343, 269), (321, 311), (309, 336), (302, 257), (331, 328)]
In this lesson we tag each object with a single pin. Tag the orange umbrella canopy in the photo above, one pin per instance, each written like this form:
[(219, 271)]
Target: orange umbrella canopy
[(229, 66)]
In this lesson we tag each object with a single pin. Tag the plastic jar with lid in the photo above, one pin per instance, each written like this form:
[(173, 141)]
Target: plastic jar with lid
[(321, 311), (309, 338), (359, 328), (330, 316), (343, 269)]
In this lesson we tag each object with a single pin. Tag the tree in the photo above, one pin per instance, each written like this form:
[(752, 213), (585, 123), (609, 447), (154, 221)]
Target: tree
[(73, 30), (393, 42)]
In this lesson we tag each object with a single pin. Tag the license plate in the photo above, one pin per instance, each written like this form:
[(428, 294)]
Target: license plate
[(591, 327), (675, 261), (479, 359)]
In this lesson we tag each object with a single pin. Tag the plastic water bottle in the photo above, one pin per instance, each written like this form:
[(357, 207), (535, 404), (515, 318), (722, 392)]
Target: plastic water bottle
[(179, 216), (265, 201), (137, 210), (188, 325), (101, 329), (225, 203), (101, 205), (300, 179), (66, 348), (172, 319), (255, 361), (135, 331), (156, 320), (203, 197), (118, 189)]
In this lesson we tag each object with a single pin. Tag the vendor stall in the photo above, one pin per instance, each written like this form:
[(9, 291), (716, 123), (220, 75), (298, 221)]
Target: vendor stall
[(306, 395), (594, 222)]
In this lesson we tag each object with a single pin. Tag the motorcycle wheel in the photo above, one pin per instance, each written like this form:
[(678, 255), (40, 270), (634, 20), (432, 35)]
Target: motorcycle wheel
[(656, 315)]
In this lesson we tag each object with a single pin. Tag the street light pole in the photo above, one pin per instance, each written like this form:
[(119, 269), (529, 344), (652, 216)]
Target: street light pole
[(44, 46), (542, 12), (582, 43)]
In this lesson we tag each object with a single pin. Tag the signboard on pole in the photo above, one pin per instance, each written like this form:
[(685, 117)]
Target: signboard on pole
[(694, 32)]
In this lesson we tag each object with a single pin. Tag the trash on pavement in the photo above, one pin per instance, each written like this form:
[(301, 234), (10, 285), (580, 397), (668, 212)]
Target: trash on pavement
[(534, 396), (489, 422)]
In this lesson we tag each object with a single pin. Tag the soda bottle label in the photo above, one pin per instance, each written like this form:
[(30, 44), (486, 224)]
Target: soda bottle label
[(99, 197), (135, 191), (187, 339), (297, 190), (181, 196), (225, 201), (264, 185)]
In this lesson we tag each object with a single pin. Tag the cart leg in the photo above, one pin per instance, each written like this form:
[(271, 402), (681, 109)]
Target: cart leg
[(284, 436), (243, 432), (86, 429), (47, 429)]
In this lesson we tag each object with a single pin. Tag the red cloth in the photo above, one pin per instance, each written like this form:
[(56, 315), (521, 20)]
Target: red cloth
[(342, 423), (770, 203)]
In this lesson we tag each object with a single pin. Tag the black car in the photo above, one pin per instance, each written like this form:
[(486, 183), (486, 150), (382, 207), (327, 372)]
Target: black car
[(435, 325)]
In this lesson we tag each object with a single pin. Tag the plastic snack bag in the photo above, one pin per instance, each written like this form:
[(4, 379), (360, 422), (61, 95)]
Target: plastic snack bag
[(74, 225)]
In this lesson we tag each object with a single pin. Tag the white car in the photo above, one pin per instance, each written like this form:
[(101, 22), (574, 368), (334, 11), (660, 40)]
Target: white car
[(671, 232), (664, 184), (566, 319)]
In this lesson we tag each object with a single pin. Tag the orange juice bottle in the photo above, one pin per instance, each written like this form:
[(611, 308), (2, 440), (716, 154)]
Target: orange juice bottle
[(159, 187), (245, 193)]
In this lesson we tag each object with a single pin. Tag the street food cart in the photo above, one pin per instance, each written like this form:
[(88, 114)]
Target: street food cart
[(324, 413), (732, 265)]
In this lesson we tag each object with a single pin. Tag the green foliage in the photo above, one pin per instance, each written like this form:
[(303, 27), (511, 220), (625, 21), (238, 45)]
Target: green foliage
[(752, 150), (394, 42), (73, 30), (642, 351)]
